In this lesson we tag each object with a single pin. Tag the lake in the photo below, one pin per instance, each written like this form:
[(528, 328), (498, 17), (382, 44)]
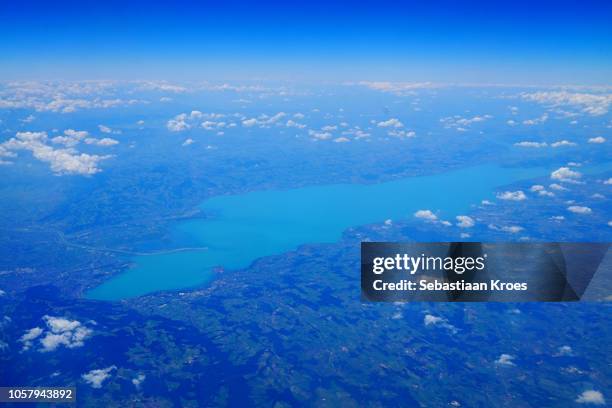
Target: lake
[(248, 226)]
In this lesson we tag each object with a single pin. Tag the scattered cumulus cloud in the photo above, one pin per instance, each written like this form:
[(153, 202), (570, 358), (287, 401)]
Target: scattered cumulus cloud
[(431, 320), (70, 137), (319, 135), (505, 360), (591, 397), (464, 221), (426, 215), (587, 103), (512, 195), (565, 174), (60, 331), (294, 124), (462, 124), (564, 351), (563, 143), (138, 380), (401, 133), (104, 142), (62, 161), (512, 229), (106, 129), (249, 122), (531, 144), (541, 191), (536, 121), (597, 140), (578, 209), (398, 88), (393, 122), (29, 336), (96, 378), (557, 187)]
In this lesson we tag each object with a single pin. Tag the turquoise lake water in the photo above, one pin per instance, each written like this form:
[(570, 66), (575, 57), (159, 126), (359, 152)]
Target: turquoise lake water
[(253, 225)]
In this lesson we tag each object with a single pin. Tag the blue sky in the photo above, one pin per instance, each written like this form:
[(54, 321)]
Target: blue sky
[(493, 42)]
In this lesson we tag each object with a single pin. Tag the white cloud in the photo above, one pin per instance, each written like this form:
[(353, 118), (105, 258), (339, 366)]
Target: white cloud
[(95, 378), (565, 174), (577, 209), (28, 119), (531, 144), (61, 161), (320, 135), (342, 140), (399, 88), (249, 122), (177, 125), (537, 188), (60, 324), (512, 195), (465, 221), (592, 104), (71, 137), (106, 129), (161, 86), (273, 119), (264, 120), (402, 133), (29, 336), (208, 125), (512, 229), (591, 397), (69, 333), (292, 123), (565, 351), (356, 132), (536, 121), (597, 140), (105, 142), (138, 380), (563, 143), (431, 320), (60, 332), (61, 96), (558, 187), (393, 122), (608, 181), (187, 142), (505, 360), (426, 215), (459, 123)]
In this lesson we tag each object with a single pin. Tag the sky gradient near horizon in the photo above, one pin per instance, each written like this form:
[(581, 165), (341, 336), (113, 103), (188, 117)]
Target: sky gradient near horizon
[(515, 42)]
